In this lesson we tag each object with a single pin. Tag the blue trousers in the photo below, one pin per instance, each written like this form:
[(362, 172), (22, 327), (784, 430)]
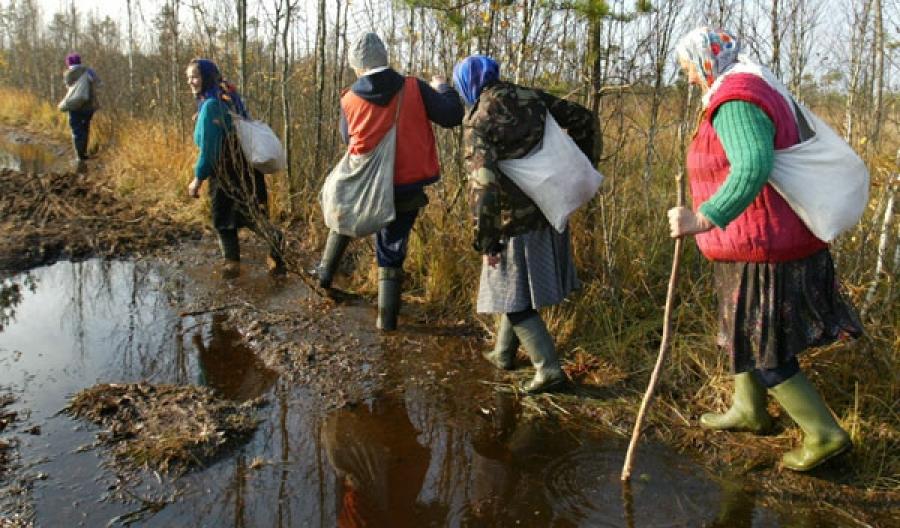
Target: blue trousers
[(80, 123), (392, 240)]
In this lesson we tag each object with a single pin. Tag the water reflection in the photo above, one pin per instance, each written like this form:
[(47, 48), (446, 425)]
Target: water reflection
[(11, 291), (379, 463), (28, 157), (229, 366)]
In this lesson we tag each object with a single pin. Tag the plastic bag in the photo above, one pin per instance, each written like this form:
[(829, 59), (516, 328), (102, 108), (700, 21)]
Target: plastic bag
[(358, 196), (78, 94), (555, 174), (260, 145), (822, 178)]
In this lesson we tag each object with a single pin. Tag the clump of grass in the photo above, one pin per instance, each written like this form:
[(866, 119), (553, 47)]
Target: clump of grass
[(164, 427), (27, 110)]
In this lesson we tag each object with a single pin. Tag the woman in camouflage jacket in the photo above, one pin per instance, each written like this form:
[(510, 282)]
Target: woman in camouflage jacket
[(527, 263)]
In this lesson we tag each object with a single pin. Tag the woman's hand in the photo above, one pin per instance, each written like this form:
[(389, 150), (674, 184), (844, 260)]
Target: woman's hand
[(492, 260), (194, 188), (683, 221)]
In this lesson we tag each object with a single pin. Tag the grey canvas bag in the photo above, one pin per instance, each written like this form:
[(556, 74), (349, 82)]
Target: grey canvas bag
[(78, 94), (358, 195)]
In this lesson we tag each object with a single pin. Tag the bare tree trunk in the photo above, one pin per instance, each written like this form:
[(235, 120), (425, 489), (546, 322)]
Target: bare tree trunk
[(878, 103), (887, 228), (176, 67), (775, 63), (131, 94), (858, 36), (320, 85), (527, 17), (293, 185), (242, 45), (273, 58)]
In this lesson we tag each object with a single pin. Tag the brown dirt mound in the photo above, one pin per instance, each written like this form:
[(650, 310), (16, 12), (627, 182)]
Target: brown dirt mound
[(165, 427), (51, 216)]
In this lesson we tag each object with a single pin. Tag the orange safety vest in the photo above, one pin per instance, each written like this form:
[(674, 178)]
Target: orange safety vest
[(416, 161)]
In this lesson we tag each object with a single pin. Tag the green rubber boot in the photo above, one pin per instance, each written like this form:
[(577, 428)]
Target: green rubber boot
[(823, 436), (335, 246), (748, 408), (538, 343), (504, 353), (389, 280)]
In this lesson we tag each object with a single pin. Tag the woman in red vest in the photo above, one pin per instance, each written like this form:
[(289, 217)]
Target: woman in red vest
[(776, 285)]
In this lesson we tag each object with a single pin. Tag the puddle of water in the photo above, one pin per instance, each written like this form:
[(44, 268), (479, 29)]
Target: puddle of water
[(419, 452), (30, 157)]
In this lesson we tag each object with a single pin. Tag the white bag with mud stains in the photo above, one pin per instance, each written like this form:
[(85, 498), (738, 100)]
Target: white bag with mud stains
[(556, 175)]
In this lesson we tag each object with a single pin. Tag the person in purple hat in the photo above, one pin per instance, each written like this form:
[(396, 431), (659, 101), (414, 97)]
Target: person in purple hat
[(80, 118)]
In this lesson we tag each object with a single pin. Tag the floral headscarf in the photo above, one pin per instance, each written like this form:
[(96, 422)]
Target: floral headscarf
[(213, 86), (472, 74), (712, 51)]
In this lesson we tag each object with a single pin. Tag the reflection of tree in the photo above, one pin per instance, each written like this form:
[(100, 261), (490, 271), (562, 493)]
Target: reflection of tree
[(11, 295), (379, 462)]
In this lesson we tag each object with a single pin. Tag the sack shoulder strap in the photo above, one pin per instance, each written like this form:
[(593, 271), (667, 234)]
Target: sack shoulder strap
[(399, 103), (804, 129)]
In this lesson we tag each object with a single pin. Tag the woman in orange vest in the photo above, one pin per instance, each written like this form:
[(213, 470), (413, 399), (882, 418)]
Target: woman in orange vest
[(367, 114)]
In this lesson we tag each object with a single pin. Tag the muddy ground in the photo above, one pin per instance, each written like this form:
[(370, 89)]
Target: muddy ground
[(63, 215)]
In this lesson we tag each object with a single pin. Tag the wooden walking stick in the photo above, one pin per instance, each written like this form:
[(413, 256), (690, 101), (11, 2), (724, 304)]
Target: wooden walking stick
[(663, 345), (667, 316)]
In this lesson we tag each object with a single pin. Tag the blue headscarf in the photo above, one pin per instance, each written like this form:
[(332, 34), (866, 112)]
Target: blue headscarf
[(472, 74), (212, 86)]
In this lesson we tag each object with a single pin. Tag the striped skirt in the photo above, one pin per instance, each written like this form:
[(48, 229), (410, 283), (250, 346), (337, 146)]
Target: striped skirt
[(536, 269)]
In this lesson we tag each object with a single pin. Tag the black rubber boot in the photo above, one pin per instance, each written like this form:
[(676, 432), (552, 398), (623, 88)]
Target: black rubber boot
[(538, 343), (504, 353), (231, 252), (229, 245), (335, 246), (389, 280)]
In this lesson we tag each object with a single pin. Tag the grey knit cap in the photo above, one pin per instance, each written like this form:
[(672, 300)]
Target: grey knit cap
[(368, 52)]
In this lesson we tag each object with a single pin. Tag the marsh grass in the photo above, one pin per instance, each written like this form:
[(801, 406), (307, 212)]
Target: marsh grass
[(609, 333)]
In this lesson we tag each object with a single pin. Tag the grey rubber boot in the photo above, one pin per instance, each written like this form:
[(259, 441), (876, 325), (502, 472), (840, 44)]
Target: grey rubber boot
[(538, 343), (504, 353), (748, 408), (335, 246), (389, 280), (823, 437)]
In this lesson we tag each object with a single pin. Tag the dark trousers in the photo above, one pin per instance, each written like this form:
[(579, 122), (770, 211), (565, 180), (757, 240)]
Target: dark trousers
[(779, 374), (392, 240), (80, 123)]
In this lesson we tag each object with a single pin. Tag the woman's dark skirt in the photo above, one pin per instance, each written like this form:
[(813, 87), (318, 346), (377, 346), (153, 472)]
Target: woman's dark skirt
[(770, 312), (237, 192)]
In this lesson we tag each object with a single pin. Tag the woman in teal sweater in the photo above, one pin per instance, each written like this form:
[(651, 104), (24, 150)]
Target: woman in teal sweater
[(237, 191), (777, 290)]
